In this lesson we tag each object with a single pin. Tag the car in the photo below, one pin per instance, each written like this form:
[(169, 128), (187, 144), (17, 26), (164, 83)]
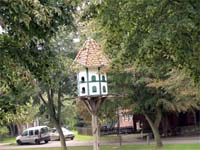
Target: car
[(34, 135), (54, 135)]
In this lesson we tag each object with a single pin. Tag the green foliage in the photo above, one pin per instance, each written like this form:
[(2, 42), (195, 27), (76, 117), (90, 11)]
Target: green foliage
[(149, 39), (21, 114), (33, 20), (29, 27), (150, 32), (26, 56), (3, 131), (68, 115)]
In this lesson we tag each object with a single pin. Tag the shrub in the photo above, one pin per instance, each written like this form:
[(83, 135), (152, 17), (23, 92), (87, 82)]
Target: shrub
[(3, 131)]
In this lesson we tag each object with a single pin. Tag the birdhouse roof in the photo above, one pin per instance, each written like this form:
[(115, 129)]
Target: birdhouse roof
[(91, 55)]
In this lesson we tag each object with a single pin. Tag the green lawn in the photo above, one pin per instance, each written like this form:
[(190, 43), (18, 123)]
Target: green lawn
[(82, 137), (77, 137), (7, 140), (131, 147), (106, 138), (102, 138)]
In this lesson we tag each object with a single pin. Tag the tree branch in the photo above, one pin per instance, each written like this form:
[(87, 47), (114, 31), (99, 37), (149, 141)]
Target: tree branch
[(51, 103), (42, 98), (158, 117), (59, 104)]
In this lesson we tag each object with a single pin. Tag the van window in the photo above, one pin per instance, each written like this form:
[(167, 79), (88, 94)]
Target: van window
[(36, 132), (44, 130), (31, 132), (25, 133)]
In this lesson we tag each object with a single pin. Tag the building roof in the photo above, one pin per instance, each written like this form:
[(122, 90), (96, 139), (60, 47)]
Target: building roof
[(91, 55)]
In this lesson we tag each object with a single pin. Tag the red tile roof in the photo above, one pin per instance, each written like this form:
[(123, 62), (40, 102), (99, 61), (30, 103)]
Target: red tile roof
[(91, 55)]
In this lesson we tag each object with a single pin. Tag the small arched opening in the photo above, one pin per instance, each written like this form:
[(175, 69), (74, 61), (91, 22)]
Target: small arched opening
[(103, 78), (94, 89), (82, 79), (104, 89), (93, 78), (83, 90)]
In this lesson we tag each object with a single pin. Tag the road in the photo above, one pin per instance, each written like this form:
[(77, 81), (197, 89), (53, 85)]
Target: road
[(125, 140)]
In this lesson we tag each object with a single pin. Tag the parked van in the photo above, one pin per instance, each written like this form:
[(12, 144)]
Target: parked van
[(34, 135)]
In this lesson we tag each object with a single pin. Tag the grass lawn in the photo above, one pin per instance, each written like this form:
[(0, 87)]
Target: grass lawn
[(102, 138), (7, 140), (82, 137), (77, 137), (131, 147), (112, 137)]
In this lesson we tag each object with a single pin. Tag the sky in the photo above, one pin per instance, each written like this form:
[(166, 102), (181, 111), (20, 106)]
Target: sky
[(1, 30)]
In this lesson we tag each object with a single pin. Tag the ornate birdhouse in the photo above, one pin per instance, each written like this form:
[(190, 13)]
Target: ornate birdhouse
[(91, 76)]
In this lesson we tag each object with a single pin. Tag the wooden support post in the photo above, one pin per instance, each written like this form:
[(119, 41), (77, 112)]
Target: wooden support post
[(95, 132), (148, 140), (118, 127), (93, 106)]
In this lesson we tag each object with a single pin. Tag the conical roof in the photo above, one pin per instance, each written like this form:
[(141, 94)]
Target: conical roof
[(91, 55)]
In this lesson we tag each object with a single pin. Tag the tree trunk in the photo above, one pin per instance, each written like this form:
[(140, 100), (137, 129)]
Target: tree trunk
[(55, 115), (15, 129), (154, 127), (62, 138), (134, 123), (12, 129), (19, 128), (195, 118)]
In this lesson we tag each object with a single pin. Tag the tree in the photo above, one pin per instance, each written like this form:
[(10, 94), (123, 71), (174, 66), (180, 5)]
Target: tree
[(57, 87), (16, 90), (150, 32), (23, 114), (159, 35), (29, 26)]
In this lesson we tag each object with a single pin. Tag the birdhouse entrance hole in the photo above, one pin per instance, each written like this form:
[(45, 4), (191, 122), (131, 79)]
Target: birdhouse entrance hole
[(82, 79)]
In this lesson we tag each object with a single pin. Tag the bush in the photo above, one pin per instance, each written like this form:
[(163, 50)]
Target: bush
[(3, 131)]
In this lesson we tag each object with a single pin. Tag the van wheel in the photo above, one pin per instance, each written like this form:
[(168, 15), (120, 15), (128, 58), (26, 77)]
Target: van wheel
[(46, 141), (37, 141), (19, 142), (72, 138)]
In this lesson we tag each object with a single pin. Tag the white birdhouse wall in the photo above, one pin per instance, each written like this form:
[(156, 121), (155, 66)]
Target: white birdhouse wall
[(91, 82)]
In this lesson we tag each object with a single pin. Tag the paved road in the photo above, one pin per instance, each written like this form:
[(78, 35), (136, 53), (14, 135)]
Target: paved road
[(125, 140)]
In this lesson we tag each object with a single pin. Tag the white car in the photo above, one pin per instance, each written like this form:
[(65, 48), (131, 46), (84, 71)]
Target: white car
[(54, 135), (34, 135)]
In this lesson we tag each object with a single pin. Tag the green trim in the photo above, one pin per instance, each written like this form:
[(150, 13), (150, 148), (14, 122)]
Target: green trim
[(96, 95), (79, 92), (88, 90), (93, 81), (99, 81)]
